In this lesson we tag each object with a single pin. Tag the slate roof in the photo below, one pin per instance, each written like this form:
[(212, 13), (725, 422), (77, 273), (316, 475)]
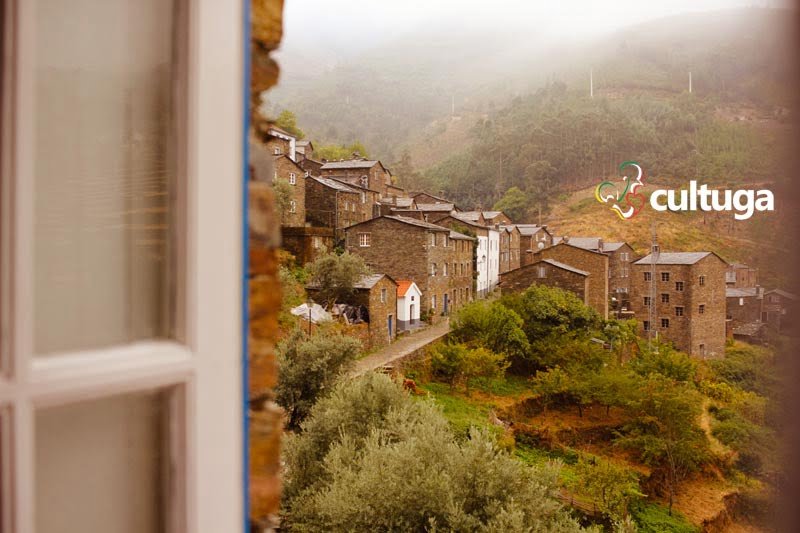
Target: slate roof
[(783, 293), (740, 293), (472, 216), (412, 222), (367, 282), (612, 246), (435, 207), (491, 214), (674, 258), (350, 163), (587, 243), (528, 230), (564, 266), (334, 184), (461, 236)]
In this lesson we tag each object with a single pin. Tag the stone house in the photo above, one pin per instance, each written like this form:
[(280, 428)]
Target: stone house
[(532, 239), (303, 150), (280, 142), (369, 201), (510, 239), (460, 271), (366, 173), (408, 302), (741, 276), (332, 204), (779, 310), (389, 206), (473, 216), (487, 250), (377, 294), (306, 243), (411, 249), (595, 263), (425, 198), (312, 166), (426, 212), (547, 272), (494, 218), (620, 257), (289, 172), (743, 306), (680, 297)]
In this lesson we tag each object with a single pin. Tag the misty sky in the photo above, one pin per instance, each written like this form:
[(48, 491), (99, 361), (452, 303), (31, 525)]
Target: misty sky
[(349, 26)]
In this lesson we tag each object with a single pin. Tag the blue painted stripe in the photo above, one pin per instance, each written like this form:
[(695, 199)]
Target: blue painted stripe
[(245, 264)]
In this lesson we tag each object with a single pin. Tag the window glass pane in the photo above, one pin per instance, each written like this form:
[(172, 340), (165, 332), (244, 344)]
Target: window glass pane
[(99, 466), (103, 172)]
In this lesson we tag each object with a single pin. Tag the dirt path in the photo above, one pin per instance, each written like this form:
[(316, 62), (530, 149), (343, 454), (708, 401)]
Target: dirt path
[(401, 348), (705, 424)]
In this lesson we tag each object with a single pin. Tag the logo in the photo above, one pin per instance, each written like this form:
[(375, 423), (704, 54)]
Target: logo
[(625, 204)]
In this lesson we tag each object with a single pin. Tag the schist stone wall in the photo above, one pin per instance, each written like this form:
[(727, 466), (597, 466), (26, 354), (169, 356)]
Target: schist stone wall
[(265, 290), (544, 273), (689, 302), (596, 264)]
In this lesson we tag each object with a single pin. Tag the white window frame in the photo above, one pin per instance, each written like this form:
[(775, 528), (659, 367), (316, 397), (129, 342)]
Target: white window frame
[(293, 206), (364, 240), (292, 178), (201, 368)]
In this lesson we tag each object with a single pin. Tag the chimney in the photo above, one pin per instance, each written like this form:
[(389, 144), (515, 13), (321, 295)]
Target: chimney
[(759, 292), (324, 160)]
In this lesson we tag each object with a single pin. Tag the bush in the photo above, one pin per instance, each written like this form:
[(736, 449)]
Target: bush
[(491, 325), (308, 367), (372, 459), (457, 363)]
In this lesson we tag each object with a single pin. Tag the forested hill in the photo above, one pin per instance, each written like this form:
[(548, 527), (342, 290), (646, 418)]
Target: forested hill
[(732, 127), (523, 113)]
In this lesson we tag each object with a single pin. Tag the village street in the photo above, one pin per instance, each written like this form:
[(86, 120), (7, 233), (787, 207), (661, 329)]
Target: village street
[(402, 347)]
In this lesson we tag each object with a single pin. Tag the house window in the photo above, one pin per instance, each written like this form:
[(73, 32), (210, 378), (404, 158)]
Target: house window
[(364, 240), (365, 182), (353, 207), (293, 206), (433, 302), (665, 276), (648, 276), (541, 272), (276, 151), (679, 286), (665, 323), (701, 308), (433, 269), (647, 301), (702, 280), (306, 174), (679, 311), (702, 349), (316, 242), (646, 325), (741, 301), (444, 269), (383, 296), (446, 241), (665, 298), (363, 197), (292, 178), (433, 239)]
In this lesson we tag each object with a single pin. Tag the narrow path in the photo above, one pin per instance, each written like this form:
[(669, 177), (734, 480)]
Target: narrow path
[(401, 348)]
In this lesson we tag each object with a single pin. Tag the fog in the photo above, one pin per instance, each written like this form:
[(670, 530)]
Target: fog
[(343, 28)]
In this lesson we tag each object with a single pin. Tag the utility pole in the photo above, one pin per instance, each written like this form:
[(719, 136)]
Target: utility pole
[(690, 82), (591, 83)]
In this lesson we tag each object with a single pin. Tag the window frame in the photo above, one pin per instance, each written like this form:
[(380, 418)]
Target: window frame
[(204, 391), (364, 240)]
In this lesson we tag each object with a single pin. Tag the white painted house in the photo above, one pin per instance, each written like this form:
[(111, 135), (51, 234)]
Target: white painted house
[(493, 259), (408, 300)]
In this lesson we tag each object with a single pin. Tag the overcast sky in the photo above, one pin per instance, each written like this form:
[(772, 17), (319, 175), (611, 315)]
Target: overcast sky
[(348, 26)]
